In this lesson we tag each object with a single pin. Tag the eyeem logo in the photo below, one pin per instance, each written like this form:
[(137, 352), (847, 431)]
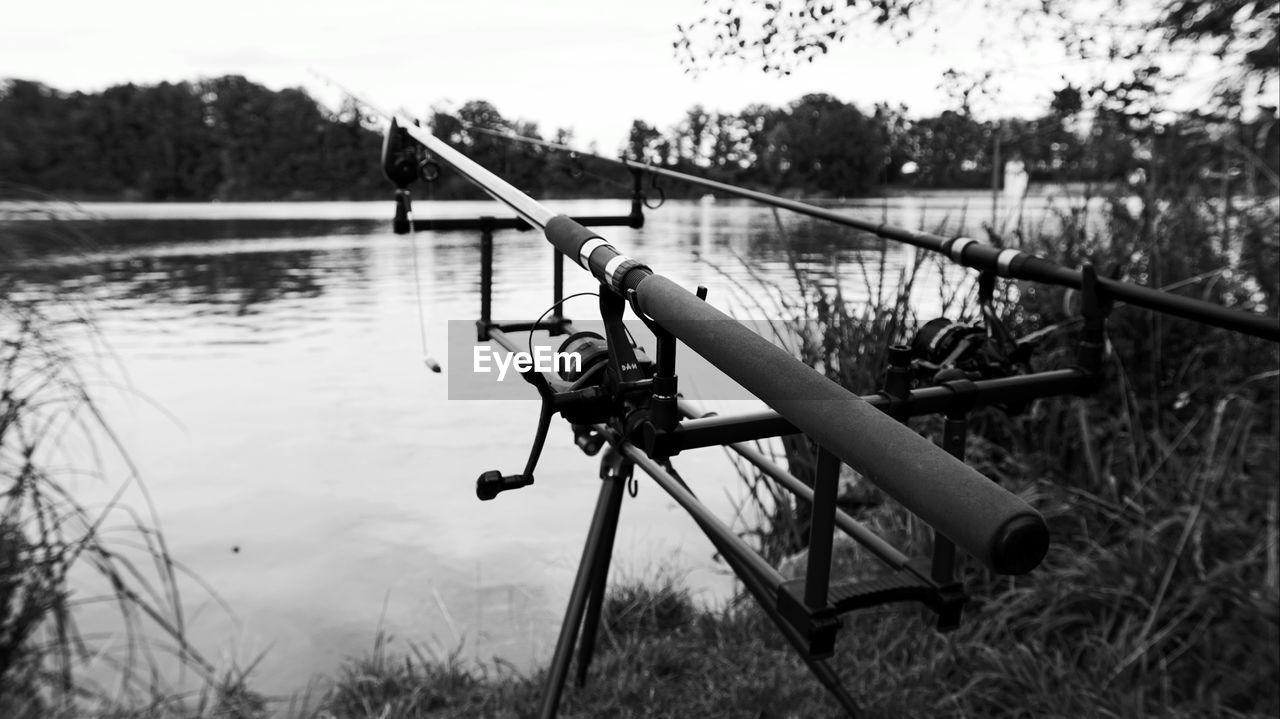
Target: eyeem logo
[(484, 359)]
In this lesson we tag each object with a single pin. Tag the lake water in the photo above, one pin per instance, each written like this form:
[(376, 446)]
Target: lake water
[(269, 386)]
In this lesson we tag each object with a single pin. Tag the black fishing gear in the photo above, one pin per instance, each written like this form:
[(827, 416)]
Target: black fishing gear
[(631, 407)]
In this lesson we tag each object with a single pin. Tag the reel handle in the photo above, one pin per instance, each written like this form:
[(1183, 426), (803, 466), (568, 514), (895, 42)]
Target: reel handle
[(493, 482)]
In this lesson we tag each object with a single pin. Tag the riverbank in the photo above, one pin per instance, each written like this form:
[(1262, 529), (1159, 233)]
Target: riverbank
[(660, 656)]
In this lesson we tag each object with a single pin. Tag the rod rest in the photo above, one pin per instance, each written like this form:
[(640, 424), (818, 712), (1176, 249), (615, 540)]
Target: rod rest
[(819, 625), (554, 326), (441, 224)]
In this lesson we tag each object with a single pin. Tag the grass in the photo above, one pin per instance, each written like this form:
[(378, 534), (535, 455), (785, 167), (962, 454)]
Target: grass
[(658, 655)]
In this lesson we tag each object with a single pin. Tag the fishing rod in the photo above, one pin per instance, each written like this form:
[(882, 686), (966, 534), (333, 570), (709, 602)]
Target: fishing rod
[(976, 254)]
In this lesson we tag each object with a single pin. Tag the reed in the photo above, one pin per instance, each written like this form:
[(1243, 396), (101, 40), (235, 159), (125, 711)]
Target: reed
[(61, 556)]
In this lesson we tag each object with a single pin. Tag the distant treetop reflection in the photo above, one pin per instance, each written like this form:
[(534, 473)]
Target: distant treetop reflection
[(182, 261)]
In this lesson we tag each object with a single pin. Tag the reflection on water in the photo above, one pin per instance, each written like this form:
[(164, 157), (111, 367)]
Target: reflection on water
[(31, 238), (300, 427), (237, 280)]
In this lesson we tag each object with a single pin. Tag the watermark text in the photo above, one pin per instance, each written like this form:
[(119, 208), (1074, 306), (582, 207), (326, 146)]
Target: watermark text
[(543, 359)]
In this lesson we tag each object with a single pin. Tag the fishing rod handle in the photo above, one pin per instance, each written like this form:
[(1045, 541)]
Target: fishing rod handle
[(594, 254), (992, 524)]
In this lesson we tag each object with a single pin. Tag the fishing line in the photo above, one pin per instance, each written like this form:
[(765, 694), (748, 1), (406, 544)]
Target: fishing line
[(568, 156), (554, 305), (562, 301), (427, 359), (349, 93)]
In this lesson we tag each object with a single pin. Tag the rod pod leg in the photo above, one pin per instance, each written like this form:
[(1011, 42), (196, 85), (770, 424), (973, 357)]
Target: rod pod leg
[(604, 524), (757, 586), (954, 434), (761, 588), (613, 466)]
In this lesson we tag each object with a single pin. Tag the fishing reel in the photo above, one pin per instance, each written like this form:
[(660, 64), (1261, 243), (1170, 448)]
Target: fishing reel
[(944, 349), (611, 384)]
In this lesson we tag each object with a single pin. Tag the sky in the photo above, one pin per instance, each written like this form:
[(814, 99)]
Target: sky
[(593, 65)]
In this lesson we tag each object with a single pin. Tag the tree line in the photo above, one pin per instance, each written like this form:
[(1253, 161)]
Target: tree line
[(228, 138), (218, 139)]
